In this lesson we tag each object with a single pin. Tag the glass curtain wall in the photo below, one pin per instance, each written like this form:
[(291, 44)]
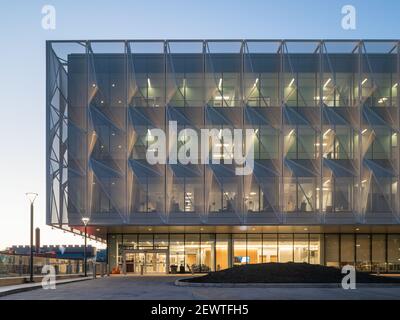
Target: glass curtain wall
[(208, 252), (337, 102), (223, 251)]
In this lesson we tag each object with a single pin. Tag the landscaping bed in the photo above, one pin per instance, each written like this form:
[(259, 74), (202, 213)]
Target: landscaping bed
[(285, 273)]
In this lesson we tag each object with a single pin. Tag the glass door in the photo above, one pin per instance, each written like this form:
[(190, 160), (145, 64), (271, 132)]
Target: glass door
[(155, 262), (130, 262), (161, 262), (146, 261), (150, 262), (139, 261)]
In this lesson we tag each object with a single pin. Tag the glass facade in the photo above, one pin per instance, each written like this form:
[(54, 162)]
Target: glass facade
[(326, 119), (212, 252), (325, 115)]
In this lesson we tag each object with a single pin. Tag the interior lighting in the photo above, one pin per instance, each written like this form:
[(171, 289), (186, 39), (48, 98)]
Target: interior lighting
[(255, 83), (327, 131), (327, 82)]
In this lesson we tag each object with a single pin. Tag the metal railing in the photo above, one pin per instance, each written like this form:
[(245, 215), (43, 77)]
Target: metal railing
[(18, 265)]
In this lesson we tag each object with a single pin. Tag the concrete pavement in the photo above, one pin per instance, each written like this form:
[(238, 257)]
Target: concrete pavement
[(12, 289), (163, 288)]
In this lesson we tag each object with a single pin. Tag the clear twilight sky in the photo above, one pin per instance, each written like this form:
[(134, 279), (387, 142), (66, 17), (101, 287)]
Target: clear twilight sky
[(22, 66)]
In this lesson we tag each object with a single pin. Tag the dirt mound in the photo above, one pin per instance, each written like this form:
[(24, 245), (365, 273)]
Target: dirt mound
[(285, 273)]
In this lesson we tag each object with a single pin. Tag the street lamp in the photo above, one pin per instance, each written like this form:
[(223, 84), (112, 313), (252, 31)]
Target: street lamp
[(85, 221), (31, 197)]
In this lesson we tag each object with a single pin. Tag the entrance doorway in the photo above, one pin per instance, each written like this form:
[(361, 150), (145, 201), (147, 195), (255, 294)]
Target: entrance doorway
[(145, 261)]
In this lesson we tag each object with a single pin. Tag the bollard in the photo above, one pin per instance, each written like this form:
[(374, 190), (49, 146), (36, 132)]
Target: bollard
[(94, 270)]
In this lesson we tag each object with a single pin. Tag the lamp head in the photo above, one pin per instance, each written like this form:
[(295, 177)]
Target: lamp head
[(31, 196), (85, 220)]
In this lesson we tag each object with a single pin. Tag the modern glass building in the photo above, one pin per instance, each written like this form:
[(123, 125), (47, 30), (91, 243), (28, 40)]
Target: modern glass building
[(324, 188)]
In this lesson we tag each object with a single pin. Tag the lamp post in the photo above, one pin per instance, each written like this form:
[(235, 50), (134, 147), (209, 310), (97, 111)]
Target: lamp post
[(31, 197), (85, 221)]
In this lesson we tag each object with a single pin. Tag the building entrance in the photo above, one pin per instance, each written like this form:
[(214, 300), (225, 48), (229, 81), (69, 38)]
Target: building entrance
[(145, 261)]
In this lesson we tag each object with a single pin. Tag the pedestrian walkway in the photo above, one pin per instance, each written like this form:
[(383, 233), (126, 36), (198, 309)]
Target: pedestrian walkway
[(6, 290), (163, 288)]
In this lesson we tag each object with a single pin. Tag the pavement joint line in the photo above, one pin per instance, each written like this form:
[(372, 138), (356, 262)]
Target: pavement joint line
[(6, 290)]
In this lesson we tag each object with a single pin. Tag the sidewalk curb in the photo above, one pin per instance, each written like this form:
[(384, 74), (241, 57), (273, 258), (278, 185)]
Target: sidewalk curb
[(38, 286), (181, 283)]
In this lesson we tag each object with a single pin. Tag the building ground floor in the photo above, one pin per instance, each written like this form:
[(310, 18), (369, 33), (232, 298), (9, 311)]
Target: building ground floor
[(203, 252)]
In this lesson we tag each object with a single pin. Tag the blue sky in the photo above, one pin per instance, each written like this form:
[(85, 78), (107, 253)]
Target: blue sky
[(22, 66)]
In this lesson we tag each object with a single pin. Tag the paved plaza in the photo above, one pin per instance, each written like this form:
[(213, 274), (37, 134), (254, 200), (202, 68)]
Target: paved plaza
[(163, 288)]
